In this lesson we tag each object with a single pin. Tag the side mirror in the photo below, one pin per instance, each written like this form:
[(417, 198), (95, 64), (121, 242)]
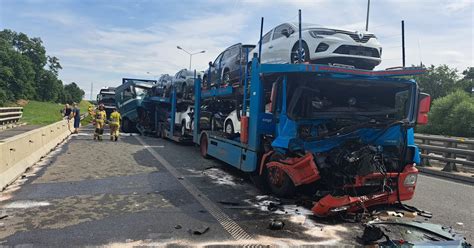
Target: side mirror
[(211, 64), (285, 32), (424, 102)]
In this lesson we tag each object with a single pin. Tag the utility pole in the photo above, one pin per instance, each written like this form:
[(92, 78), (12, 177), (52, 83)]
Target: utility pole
[(92, 89), (367, 20), (403, 43)]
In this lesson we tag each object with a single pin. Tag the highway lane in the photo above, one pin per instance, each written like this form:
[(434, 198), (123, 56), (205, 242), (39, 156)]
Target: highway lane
[(105, 193), (145, 191), (451, 203)]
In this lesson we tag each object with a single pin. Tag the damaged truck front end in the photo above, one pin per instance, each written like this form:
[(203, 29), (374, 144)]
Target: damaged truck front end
[(349, 140)]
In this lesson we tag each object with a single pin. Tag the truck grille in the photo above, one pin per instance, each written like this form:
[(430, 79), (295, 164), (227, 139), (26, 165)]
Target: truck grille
[(358, 51), (355, 36)]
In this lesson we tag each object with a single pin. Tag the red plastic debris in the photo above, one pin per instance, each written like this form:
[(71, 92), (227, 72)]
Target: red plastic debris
[(301, 170)]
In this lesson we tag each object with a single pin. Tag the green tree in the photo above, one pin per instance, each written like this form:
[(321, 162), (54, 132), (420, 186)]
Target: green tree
[(49, 87), (438, 81), (54, 65), (72, 93), (27, 72), (451, 115), (467, 82), (16, 73)]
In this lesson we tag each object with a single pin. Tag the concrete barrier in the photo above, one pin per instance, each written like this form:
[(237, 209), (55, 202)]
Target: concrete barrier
[(22, 151)]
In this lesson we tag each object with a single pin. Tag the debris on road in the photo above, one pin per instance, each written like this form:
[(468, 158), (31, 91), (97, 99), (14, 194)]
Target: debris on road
[(371, 234), (221, 177), (177, 227), (200, 231), (276, 225)]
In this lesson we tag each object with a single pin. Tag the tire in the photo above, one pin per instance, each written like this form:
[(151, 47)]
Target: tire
[(183, 129), (226, 77), (278, 181), (126, 126), (203, 146), (162, 132), (229, 127), (294, 53)]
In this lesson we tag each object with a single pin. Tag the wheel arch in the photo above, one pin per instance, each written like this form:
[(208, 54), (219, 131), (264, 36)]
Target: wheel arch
[(303, 43)]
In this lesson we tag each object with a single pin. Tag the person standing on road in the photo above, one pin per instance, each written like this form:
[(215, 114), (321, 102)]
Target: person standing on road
[(67, 114), (76, 113), (99, 117), (114, 124), (90, 110)]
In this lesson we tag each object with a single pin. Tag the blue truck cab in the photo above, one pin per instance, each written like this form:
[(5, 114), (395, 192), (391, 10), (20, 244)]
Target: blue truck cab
[(129, 98), (345, 133)]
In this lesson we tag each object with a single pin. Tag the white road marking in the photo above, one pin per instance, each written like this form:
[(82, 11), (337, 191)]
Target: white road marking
[(26, 204), (226, 222)]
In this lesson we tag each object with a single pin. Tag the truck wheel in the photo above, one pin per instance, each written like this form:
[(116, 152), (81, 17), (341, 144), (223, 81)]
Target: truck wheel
[(162, 132), (203, 146), (279, 182), (229, 127), (126, 126)]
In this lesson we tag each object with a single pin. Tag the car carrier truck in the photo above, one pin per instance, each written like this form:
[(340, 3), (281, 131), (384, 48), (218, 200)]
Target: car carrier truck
[(106, 97), (346, 134)]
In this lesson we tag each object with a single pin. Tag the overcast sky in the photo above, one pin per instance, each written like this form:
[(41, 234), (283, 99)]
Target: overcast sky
[(104, 41)]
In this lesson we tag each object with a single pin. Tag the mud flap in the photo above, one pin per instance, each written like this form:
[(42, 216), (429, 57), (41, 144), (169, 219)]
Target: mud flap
[(301, 170)]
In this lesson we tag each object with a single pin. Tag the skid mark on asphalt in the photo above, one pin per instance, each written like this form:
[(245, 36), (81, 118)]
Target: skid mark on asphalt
[(225, 221)]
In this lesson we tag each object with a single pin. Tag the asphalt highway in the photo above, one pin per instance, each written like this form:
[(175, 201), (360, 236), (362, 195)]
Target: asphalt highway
[(148, 191)]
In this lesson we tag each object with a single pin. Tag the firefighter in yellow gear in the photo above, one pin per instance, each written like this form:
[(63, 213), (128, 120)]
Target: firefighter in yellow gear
[(90, 109), (114, 124), (99, 117)]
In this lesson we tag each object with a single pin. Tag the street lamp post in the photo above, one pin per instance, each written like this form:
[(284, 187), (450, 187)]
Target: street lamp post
[(190, 55)]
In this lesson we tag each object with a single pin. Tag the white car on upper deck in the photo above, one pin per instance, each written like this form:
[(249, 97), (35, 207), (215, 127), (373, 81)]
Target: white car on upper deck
[(320, 45)]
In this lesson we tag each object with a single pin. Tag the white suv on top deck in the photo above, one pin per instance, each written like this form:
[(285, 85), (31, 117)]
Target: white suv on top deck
[(320, 46)]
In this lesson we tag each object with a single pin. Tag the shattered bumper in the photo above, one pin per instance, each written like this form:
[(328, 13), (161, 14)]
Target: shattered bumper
[(405, 189)]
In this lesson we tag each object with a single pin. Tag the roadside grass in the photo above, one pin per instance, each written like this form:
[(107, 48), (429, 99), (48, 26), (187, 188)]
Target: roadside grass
[(44, 113)]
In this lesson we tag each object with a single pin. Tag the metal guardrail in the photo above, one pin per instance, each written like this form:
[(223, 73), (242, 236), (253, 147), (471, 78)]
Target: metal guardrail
[(10, 115), (452, 150)]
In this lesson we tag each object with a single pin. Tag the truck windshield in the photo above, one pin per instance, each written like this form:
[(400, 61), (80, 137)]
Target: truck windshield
[(140, 91), (107, 99), (336, 98)]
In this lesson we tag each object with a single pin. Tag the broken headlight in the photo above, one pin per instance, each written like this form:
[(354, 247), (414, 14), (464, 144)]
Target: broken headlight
[(410, 180)]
